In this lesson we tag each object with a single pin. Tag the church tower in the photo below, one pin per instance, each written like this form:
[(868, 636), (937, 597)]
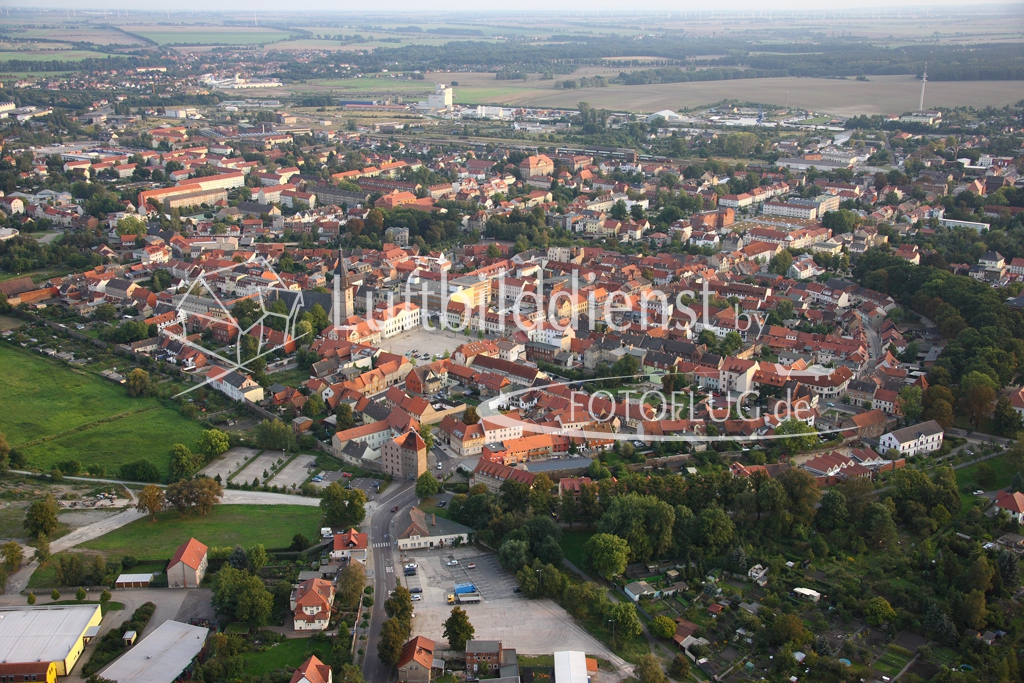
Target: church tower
[(344, 306)]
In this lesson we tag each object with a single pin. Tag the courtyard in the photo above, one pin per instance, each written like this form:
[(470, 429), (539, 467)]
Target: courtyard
[(533, 627)]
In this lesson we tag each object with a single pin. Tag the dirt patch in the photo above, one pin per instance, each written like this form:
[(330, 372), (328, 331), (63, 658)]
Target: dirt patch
[(79, 518), (910, 640)]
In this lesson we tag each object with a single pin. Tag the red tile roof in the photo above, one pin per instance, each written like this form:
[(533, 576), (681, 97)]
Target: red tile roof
[(312, 670), (350, 540), (420, 650), (191, 553), (1014, 502)]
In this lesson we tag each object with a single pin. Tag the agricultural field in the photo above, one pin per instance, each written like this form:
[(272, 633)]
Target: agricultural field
[(65, 413), (72, 33), (208, 35), (45, 55), (227, 525), (880, 94)]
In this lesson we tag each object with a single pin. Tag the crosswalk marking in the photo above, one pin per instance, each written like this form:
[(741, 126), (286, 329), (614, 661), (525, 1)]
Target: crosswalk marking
[(382, 544)]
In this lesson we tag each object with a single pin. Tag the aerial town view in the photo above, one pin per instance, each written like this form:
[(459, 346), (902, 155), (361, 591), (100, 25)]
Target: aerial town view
[(439, 343)]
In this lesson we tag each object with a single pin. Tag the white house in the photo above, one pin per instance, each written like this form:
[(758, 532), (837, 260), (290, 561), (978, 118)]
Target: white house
[(349, 546), (913, 440), (188, 566)]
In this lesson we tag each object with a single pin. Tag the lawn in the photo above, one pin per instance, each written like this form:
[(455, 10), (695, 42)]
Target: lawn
[(572, 545), (289, 378), (288, 655), (227, 525), (147, 435), (84, 417), (1002, 474)]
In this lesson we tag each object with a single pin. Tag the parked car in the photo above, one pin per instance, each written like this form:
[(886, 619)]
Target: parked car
[(453, 563), (411, 565), (442, 503), (347, 475), (394, 509), (517, 589), (417, 598), (471, 565), (439, 465), (415, 590)]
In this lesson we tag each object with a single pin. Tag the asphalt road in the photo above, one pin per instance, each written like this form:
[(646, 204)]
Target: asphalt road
[(382, 543)]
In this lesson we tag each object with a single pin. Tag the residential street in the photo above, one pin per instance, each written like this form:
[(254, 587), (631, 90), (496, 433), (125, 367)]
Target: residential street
[(382, 544)]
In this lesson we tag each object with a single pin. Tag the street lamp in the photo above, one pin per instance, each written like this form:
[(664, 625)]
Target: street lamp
[(612, 622)]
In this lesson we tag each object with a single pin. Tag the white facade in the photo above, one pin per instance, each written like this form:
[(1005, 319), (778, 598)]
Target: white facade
[(914, 440)]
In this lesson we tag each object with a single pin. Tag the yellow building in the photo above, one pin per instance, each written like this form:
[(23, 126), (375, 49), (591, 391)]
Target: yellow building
[(47, 633)]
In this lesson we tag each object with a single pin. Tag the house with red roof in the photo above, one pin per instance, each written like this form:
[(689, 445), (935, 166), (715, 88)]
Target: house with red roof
[(313, 671), (416, 664), (1013, 503), (349, 546), (311, 603), (188, 566)]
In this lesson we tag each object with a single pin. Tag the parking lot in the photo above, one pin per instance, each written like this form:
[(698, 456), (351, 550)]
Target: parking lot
[(229, 462), (294, 473), (422, 341), (530, 626), (260, 464)]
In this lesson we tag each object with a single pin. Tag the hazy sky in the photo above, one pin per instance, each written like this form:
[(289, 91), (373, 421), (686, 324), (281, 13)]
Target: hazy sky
[(421, 6)]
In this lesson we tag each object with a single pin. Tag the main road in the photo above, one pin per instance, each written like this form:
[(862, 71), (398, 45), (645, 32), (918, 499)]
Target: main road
[(382, 548)]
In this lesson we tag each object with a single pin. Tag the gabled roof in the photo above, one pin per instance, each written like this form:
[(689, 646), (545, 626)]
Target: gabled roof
[(350, 540), (313, 671), (191, 553), (1014, 502), (419, 650)]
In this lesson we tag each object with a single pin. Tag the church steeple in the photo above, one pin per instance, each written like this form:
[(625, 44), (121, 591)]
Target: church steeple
[(344, 305)]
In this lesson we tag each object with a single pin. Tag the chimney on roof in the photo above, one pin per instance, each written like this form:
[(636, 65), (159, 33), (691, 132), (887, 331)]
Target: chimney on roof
[(433, 520)]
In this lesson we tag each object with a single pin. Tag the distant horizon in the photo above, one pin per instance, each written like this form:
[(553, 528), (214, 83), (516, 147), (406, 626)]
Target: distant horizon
[(407, 7)]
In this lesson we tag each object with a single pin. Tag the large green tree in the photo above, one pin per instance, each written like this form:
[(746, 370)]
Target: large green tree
[(644, 521), (343, 508), (458, 630), (606, 554)]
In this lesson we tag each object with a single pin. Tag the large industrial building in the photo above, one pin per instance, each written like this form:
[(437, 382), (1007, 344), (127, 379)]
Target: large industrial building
[(49, 633), (166, 655)]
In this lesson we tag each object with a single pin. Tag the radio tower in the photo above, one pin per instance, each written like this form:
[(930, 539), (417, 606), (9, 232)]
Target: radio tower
[(924, 82)]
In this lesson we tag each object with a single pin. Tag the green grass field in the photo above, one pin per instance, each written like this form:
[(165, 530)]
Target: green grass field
[(147, 435), (55, 400), (1002, 469), (209, 35), (45, 55), (572, 544), (227, 525), (288, 655)]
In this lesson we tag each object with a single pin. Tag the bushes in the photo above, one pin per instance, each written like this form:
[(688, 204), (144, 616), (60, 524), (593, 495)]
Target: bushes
[(140, 470), (111, 645)]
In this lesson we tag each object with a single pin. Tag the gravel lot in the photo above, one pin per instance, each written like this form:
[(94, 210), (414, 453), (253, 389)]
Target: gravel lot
[(228, 462), (533, 627), (259, 465), (425, 341), (294, 473)]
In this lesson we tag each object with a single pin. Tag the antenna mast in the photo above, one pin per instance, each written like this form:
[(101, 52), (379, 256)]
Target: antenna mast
[(924, 82)]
